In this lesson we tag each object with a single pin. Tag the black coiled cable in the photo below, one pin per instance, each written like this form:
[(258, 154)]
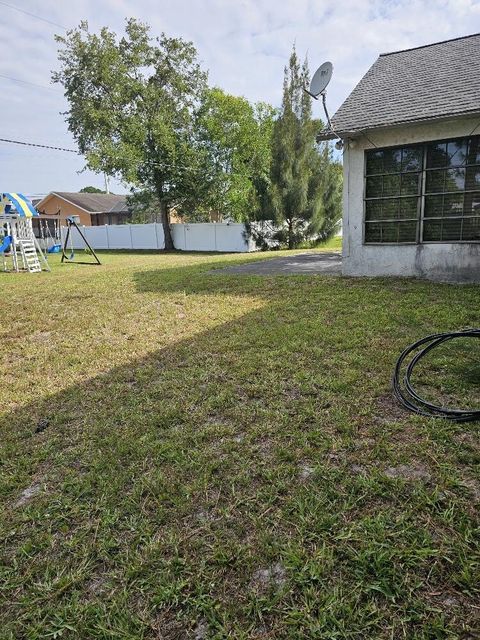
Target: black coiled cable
[(407, 395)]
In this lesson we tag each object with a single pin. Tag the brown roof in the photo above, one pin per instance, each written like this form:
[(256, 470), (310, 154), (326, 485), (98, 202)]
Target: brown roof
[(94, 202)]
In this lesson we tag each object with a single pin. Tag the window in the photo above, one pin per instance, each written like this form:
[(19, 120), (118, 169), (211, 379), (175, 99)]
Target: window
[(423, 193)]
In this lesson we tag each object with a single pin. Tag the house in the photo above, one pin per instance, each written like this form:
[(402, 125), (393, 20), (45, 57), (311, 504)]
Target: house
[(411, 140), (93, 209)]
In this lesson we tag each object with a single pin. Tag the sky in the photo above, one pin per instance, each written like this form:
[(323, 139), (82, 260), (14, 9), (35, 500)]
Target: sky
[(244, 45)]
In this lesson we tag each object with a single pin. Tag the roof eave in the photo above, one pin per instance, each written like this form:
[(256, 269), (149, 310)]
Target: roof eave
[(355, 133), (322, 136), (329, 134)]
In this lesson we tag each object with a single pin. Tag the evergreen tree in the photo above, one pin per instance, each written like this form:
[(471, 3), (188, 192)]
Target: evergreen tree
[(300, 168), (332, 202)]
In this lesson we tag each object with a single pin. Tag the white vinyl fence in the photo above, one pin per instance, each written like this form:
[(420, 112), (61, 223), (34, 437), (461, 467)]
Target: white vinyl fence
[(207, 236)]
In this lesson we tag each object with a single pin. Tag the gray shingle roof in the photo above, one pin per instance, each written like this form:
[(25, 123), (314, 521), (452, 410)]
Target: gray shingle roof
[(96, 202), (435, 81)]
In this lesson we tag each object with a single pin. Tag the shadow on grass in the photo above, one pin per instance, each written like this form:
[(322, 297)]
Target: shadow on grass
[(211, 485)]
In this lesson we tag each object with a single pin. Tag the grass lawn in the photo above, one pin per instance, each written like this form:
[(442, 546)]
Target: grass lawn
[(186, 455)]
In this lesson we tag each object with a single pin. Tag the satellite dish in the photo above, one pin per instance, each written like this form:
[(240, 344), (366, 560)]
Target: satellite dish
[(321, 78)]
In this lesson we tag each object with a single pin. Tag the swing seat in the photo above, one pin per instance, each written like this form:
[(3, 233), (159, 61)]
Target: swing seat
[(55, 249)]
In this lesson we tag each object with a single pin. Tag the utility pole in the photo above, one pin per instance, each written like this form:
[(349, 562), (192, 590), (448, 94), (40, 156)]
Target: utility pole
[(107, 183)]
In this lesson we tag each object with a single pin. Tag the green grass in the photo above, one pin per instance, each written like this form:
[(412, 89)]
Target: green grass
[(186, 455), (334, 244)]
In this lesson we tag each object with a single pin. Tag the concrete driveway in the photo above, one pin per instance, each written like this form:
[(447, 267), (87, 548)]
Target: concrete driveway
[(299, 264)]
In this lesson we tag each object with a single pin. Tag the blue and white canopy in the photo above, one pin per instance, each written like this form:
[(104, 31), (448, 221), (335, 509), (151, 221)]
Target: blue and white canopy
[(17, 203)]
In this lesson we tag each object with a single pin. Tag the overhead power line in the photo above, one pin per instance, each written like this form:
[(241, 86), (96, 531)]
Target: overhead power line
[(32, 84), (42, 146), (32, 15)]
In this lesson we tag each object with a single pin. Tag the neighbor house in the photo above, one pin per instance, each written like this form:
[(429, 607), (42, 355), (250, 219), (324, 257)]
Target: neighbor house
[(411, 141), (93, 209)]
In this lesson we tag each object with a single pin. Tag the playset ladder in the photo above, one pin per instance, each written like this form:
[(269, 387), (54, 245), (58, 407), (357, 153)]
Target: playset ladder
[(29, 254), (29, 247)]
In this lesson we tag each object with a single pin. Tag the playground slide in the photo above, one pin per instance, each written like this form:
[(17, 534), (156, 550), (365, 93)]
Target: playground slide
[(7, 241)]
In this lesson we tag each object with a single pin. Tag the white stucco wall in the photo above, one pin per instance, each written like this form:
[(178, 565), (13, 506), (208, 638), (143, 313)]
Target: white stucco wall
[(458, 262)]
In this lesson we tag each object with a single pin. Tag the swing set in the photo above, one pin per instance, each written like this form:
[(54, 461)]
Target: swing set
[(72, 224), (20, 247), (52, 242)]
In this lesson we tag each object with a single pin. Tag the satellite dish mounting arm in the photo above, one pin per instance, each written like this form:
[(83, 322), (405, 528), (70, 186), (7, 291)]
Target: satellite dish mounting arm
[(318, 85), (324, 102)]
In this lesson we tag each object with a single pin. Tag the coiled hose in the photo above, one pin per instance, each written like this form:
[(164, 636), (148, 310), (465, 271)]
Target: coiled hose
[(406, 394)]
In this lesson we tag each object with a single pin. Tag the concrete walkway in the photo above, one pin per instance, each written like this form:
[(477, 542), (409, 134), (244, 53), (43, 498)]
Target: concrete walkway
[(299, 264)]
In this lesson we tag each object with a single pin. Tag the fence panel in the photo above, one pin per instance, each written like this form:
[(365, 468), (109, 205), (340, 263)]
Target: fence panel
[(96, 236), (230, 238), (208, 236), (178, 234), (119, 236), (200, 237), (144, 236)]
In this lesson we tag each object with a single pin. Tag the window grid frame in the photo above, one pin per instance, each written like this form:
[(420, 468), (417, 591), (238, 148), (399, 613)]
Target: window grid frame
[(421, 196)]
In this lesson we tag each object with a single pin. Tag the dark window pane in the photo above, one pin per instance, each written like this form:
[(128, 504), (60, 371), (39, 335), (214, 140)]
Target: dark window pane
[(408, 208), (433, 206), (457, 152), (390, 232), (390, 208), (435, 181), (392, 160), (407, 231), (453, 205), (437, 154), (472, 204), (455, 180), (473, 178), (373, 232), (373, 210), (374, 187), (432, 230), (474, 151), (412, 158), (452, 230), (410, 184), (451, 193), (374, 162), (391, 185), (471, 229)]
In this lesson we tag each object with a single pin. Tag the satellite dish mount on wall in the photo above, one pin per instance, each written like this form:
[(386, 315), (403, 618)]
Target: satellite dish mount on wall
[(318, 85)]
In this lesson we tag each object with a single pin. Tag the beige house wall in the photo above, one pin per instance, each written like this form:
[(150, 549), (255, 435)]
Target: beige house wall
[(53, 206)]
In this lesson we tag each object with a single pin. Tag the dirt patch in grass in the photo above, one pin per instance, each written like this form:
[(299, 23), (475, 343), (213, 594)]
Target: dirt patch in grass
[(409, 472), (200, 632), (389, 410), (273, 577), (28, 494), (305, 471), (473, 487), (358, 469)]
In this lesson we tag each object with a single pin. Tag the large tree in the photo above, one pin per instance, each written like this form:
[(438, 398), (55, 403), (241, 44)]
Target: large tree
[(131, 109), (235, 136), (300, 167)]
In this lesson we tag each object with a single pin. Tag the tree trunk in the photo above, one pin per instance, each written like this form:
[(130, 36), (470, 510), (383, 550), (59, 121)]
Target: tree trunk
[(164, 213), (167, 231), (290, 234)]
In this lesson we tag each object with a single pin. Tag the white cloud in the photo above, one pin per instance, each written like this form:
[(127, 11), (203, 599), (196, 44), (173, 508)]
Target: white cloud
[(244, 44)]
